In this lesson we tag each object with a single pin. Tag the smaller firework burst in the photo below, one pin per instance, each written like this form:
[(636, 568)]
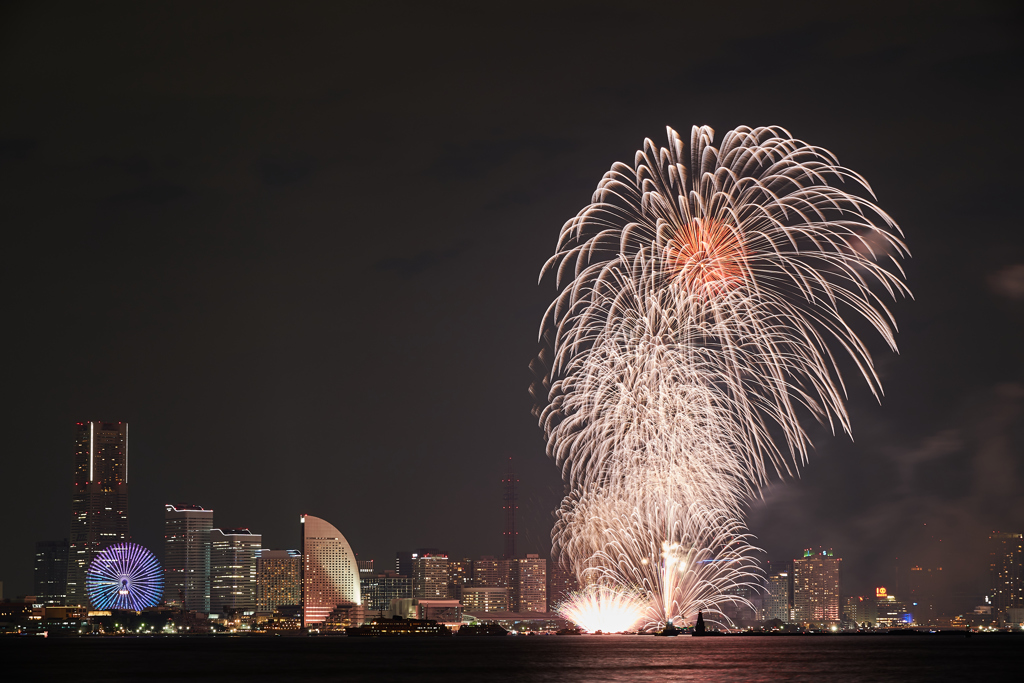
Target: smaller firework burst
[(604, 608)]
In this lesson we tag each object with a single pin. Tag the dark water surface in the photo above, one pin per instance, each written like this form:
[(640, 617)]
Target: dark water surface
[(496, 660)]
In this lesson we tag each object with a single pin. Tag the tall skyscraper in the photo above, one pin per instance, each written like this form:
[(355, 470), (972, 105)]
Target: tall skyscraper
[(187, 556), (510, 499), (1006, 576), (816, 583), (778, 602), (430, 577), (489, 572), (460, 576), (50, 572), (379, 590), (233, 570), (529, 584), (278, 579), (99, 499), (924, 588), (561, 582), (330, 575)]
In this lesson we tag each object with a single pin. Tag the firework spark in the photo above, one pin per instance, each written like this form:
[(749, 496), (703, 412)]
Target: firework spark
[(701, 317)]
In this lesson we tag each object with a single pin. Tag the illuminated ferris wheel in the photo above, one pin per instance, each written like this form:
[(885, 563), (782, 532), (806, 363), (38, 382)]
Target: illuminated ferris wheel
[(124, 576)]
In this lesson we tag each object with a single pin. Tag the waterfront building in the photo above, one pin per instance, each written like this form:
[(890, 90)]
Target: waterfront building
[(430, 576), (442, 611), (561, 582), (1006, 576), (777, 603), (889, 611), (924, 587), (50, 572), (489, 572), (460, 575), (365, 568), (233, 570), (485, 599), (816, 582), (404, 558), (378, 591), (99, 499), (330, 575), (187, 557), (529, 584), (278, 579)]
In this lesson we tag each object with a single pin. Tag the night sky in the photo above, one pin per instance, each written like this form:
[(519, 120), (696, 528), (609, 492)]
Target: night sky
[(296, 247)]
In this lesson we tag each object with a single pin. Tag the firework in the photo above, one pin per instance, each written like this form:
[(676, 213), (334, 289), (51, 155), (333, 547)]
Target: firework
[(604, 608), (124, 576), (702, 315)]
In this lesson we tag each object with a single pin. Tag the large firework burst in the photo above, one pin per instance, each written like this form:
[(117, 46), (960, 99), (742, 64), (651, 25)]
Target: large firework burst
[(702, 315)]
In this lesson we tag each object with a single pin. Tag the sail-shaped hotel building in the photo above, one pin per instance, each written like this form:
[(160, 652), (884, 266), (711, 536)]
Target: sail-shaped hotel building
[(330, 575)]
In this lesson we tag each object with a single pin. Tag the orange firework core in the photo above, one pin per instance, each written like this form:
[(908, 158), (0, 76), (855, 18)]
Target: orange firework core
[(705, 256)]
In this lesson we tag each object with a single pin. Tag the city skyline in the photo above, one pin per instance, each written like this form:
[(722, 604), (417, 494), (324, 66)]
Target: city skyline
[(307, 276)]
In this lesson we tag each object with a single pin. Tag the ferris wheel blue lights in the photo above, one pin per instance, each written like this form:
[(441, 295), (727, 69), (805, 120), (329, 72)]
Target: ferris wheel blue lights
[(124, 576)]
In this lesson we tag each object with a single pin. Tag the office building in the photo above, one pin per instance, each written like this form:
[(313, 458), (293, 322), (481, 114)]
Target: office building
[(330, 575), (99, 499), (233, 571), (484, 599), (489, 572), (778, 600), (278, 579), (1006, 576), (442, 611), (924, 587), (816, 582), (460, 575), (430, 577), (404, 558), (50, 572), (561, 582), (529, 589), (187, 557), (378, 591)]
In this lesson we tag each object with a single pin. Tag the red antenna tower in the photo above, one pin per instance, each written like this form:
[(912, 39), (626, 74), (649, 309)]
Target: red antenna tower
[(510, 508)]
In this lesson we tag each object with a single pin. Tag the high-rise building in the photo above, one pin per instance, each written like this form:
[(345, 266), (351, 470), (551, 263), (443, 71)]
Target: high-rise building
[(379, 590), (330, 575), (460, 576), (187, 557), (489, 572), (816, 582), (924, 587), (430, 577), (404, 558), (510, 498), (778, 602), (1006, 576), (484, 599), (529, 584), (99, 499), (278, 581), (50, 572), (561, 582), (233, 570)]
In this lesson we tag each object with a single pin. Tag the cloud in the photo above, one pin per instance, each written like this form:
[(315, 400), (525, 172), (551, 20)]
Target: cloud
[(423, 261), (1009, 281)]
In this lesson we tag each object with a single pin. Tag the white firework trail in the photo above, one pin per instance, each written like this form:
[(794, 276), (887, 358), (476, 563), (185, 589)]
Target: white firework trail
[(701, 316)]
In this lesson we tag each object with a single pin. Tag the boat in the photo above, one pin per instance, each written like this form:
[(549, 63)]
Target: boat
[(669, 630)]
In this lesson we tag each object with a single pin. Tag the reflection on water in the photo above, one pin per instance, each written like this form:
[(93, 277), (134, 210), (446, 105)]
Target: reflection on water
[(538, 658)]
